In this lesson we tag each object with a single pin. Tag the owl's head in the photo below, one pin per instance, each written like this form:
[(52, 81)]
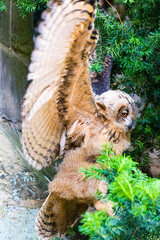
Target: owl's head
[(118, 107)]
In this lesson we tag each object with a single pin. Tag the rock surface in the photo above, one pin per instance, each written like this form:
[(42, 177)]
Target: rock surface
[(155, 164), (16, 44), (21, 192)]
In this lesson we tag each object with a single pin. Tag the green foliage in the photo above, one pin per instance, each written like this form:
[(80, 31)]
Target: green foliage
[(96, 66), (26, 6), (135, 198), (2, 6), (135, 47)]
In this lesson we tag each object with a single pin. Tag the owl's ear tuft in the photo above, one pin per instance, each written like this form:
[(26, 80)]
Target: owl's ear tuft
[(103, 110), (101, 106)]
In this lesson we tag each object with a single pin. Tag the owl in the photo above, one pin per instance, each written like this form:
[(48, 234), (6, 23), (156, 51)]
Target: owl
[(62, 117)]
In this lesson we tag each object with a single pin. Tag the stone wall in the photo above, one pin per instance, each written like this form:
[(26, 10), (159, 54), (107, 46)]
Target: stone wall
[(21, 193), (15, 47)]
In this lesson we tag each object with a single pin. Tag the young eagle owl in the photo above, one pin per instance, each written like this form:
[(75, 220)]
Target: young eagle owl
[(61, 115)]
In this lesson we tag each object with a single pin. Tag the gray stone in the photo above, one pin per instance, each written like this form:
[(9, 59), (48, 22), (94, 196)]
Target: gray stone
[(18, 182), (21, 33), (22, 189), (155, 163), (5, 25), (16, 44), (17, 223), (13, 84)]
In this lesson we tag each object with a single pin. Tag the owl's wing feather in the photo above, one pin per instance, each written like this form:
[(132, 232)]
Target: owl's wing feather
[(60, 86), (57, 214)]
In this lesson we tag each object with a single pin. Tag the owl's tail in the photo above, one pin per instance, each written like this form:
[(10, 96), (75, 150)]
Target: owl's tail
[(56, 215)]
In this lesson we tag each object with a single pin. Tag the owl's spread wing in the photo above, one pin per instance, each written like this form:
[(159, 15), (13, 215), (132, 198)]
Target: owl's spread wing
[(60, 86)]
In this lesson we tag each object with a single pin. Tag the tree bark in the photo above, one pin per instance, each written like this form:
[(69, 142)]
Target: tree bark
[(101, 81)]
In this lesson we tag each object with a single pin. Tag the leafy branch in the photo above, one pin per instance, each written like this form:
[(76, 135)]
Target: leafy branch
[(25, 6), (135, 198)]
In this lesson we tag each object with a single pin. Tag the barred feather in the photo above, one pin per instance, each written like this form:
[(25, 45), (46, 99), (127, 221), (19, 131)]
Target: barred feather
[(56, 215), (61, 84)]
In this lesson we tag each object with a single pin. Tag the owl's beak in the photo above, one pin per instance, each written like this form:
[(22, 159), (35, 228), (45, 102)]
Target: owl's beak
[(129, 122), (131, 125)]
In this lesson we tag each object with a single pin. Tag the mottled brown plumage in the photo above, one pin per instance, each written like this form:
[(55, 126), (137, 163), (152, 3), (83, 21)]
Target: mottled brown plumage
[(62, 117)]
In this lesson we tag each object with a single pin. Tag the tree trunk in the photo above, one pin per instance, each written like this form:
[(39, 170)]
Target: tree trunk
[(101, 81)]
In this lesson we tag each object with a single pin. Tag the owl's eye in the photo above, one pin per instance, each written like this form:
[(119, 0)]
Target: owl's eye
[(124, 114)]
